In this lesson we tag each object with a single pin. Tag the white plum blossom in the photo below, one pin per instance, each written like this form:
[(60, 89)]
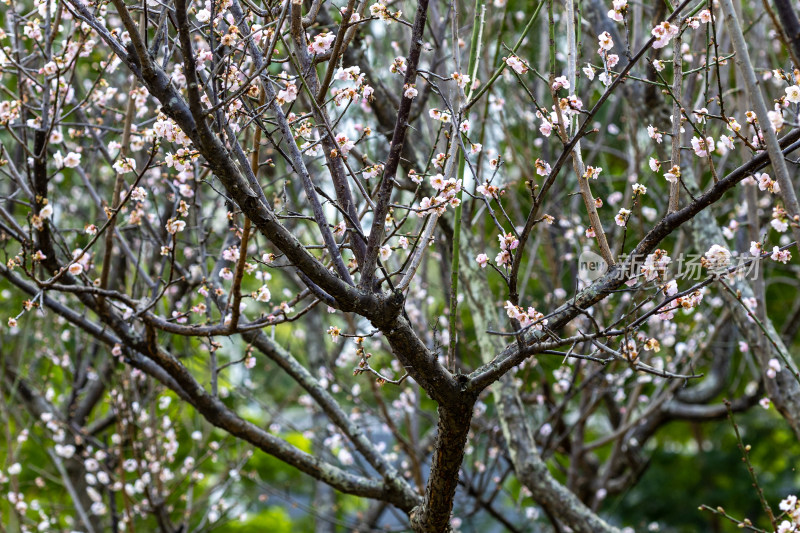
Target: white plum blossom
[(617, 10), (773, 367), (345, 144), (702, 147), (340, 228), (489, 191), (372, 171), (508, 243), (592, 172), (263, 294), (437, 114), (287, 95), (560, 82), (716, 258), (700, 115), (379, 10), (655, 266), (334, 332), (65, 450), (527, 318), (175, 225), (654, 134), (671, 288), (663, 33), (462, 80), (779, 224), (775, 117), (605, 41), (72, 160), (542, 167), (621, 218), (781, 256), (321, 43), (673, 174), (788, 504), (793, 94), (517, 64), (765, 183), (125, 164), (725, 144), (398, 66)]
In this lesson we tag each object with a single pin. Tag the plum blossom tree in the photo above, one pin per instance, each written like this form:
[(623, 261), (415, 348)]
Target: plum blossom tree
[(265, 254)]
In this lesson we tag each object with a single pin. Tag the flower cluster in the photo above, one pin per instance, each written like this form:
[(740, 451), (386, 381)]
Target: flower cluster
[(398, 66), (765, 183), (508, 243), (71, 160), (321, 43), (687, 302), (372, 171), (621, 218), (664, 33), (379, 10), (618, 8), (531, 317), (654, 134), (703, 147), (287, 94), (716, 258), (791, 509), (448, 190), (781, 256), (655, 265), (437, 114), (592, 172), (773, 367), (490, 191), (518, 65), (358, 88)]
